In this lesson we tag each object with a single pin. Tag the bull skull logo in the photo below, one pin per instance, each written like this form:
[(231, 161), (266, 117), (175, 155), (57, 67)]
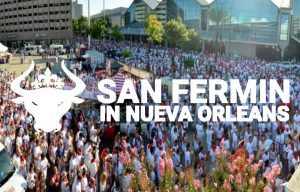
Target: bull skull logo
[(49, 103)]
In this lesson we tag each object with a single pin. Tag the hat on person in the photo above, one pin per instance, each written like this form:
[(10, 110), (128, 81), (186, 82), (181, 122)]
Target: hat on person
[(92, 180), (73, 154), (63, 174), (79, 150)]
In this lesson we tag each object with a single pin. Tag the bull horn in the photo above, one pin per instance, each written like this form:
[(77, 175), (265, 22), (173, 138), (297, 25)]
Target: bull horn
[(79, 84), (15, 85)]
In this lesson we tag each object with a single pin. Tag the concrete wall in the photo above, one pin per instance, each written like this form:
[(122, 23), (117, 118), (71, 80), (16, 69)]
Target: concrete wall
[(115, 20), (239, 48)]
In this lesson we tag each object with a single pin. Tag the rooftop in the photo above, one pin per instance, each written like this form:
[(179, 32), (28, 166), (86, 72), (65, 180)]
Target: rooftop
[(119, 10), (278, 3)]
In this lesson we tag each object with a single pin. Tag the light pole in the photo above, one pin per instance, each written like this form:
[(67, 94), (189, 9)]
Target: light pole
[(89, 22), (104, 9), (59, 30)]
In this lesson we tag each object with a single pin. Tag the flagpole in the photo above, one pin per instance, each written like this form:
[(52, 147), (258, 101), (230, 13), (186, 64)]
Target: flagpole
[(104, 8), (89, 22)]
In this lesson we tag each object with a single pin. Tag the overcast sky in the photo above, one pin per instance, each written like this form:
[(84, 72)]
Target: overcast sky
[(97, 5)]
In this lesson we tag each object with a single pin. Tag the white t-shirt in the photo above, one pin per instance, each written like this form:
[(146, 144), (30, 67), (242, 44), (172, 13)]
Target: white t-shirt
[(31, 180), (43, 165), (199, 130), (209, 134), (76, 187)]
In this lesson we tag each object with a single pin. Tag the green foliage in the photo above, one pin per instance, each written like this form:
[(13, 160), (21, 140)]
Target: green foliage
[(189, 62), (193, 42), (116, 33), (176, 32), (154, 28), (218, 16), (80, 26), (98, 28), (126, 53)]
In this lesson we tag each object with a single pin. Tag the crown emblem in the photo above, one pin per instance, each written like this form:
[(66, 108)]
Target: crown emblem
[(47, 80)]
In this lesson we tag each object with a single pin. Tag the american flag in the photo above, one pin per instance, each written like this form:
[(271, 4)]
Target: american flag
[(119, 79)]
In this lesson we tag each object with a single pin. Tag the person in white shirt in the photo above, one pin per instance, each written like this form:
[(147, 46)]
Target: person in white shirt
[(37, 151), (64, 185), (72, 165), (297, 121), (174, 134), (200, 131), (255, 143), (209, 135), (103, 182), (17, 158), (31, 178), (177, 161), (43, 165), (295, 161), (76, 187), (150, 157), (226, 142), (187, 156), (234, 144), (213, 154), (247, 134), (249, 147), (84, 180), (93, 166), (8, 143), (19, 139), (290, 157), (91, 186)]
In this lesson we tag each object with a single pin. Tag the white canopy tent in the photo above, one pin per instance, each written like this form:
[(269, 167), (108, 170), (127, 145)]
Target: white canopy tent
[(294, 185), (3, 48)]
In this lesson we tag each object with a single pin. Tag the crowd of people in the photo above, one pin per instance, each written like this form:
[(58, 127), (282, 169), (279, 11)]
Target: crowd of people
[(75, 159)]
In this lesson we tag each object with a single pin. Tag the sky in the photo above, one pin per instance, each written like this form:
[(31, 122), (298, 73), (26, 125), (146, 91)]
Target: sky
[(97, 5)]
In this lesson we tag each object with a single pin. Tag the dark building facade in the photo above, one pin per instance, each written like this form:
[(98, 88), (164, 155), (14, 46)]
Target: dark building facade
[(35, 22)]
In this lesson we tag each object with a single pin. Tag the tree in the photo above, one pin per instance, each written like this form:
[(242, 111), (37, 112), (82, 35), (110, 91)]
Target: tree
[(80, 26), (75, 26), (176, 33), (154, 29), (189, 62), (126, 53), (193, 43), (218, 17), (98, 28), (116, 33)]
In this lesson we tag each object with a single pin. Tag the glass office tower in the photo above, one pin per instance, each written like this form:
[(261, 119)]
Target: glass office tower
[(191, 12), (255, 20), (253, 26), (296, 20)]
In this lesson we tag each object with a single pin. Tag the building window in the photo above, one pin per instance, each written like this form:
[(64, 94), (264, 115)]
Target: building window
[(284, 24), (204, 18)]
